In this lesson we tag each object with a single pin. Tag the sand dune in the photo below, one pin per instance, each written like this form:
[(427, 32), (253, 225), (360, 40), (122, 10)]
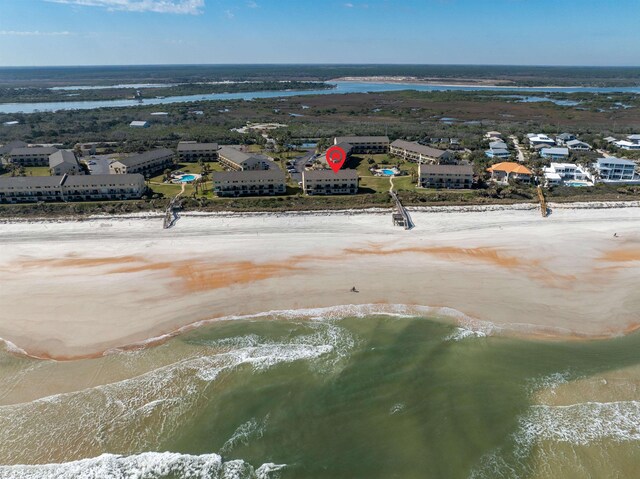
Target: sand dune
[(72, 289)]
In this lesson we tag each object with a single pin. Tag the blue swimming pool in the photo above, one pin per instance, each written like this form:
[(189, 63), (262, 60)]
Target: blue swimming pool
[(388, 172), (186, 178)]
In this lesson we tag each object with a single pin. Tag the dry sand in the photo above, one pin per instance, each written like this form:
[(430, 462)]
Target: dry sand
[(73, 289)]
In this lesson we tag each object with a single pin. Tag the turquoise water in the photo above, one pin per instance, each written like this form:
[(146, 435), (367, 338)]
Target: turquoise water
[(186, 178), (388, 172), (341, 87), (358, 397)]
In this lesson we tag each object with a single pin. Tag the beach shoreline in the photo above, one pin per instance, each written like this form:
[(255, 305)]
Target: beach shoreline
[(76, 289)]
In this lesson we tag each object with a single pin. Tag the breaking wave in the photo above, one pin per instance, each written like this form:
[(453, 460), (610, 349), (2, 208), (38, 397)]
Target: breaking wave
[(148, 465)]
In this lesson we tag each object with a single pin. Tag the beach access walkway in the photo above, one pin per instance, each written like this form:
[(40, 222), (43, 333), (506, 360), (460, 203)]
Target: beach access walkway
[(171, 213), (401, 215)]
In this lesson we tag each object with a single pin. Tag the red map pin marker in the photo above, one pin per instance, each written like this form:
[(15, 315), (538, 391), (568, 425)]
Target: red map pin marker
[(336, 157)]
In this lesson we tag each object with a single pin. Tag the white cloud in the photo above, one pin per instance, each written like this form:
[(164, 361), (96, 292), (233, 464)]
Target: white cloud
[(34, 33), (252, 4), (229, 13), (349, 5), (185, 7)]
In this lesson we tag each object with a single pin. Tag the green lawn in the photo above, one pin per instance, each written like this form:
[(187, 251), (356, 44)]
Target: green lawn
[(33, 171)]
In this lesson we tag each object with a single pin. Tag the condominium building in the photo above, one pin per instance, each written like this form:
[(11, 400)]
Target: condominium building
[(249, 183), (148, 163), (614, 170), (6, 148), (445, 176), (411, 151), (64, 162), (31, 156), (70, 188), (239, 161), (365, 144), (193, 151), (326, 182)]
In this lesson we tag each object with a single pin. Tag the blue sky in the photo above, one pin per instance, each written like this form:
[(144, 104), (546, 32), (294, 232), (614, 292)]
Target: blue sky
[(119, 32)]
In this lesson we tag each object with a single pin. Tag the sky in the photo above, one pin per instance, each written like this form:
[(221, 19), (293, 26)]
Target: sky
[(507, 32)]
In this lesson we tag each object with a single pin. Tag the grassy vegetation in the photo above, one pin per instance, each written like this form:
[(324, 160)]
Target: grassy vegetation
[(32, 171)]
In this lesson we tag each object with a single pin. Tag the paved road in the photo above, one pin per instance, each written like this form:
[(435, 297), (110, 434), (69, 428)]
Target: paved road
[(299, 163), (518, 147)]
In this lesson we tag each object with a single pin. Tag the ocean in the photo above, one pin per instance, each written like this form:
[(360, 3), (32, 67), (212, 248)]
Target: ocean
[(324, 395)]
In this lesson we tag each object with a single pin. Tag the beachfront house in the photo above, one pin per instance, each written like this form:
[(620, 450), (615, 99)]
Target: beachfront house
[(249, 183), (445, 176), (326, 182), (31, 156), (190, 151), (634, 139), (614, 170), (412, 151), (577, 145), (560, 173), (237, 160), (64, 162), (507, 171), (540, 140), (148, 163), (490, 135), (563, 138), (556, 154), (29, 189), (627, 145), (365, 144)]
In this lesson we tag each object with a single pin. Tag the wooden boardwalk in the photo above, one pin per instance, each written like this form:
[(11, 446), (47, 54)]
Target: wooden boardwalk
[(401, 216), (544, 208), (171, 213)]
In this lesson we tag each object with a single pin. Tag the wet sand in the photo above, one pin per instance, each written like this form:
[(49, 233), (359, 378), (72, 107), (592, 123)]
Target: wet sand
[(78, 289)]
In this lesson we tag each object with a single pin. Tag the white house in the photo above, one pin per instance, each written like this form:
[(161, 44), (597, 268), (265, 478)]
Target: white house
[(559, 173), (577, 145), (634, 139), (614, 170), (540, 139), (627, 145)]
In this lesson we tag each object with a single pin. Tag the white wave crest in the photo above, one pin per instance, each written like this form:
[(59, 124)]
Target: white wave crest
[(148, 465)]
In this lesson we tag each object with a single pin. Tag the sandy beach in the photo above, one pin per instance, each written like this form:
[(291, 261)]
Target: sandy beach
[(75, 289)]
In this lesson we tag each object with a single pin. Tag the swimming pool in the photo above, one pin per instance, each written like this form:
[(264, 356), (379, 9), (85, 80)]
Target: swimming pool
[(576, 183), (388, 172), (186, 178)]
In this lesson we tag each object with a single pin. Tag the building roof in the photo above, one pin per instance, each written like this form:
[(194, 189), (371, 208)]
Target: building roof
[(138, 123), (235, 155), (613, 159), (62, 156), (633, 137), (330, 175), (272, 174), (38, 150), (418, 148), (576, 143), (498, 145), (510, 167), (443, 169), (566, 136), (555, 151), (70, 180), (499, 151), (11, 145), (135, 160), (361, 139), (195, 146)]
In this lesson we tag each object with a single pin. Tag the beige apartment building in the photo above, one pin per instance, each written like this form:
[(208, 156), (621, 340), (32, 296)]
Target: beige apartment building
[(412, 151), (326, 182), (71, 188), (445, 176), (190, 151), (148, 163), (64, 162), (364, 144), (249, 183)]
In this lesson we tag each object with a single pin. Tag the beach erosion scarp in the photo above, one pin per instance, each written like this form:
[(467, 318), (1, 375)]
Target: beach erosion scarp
[(74, 289)]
